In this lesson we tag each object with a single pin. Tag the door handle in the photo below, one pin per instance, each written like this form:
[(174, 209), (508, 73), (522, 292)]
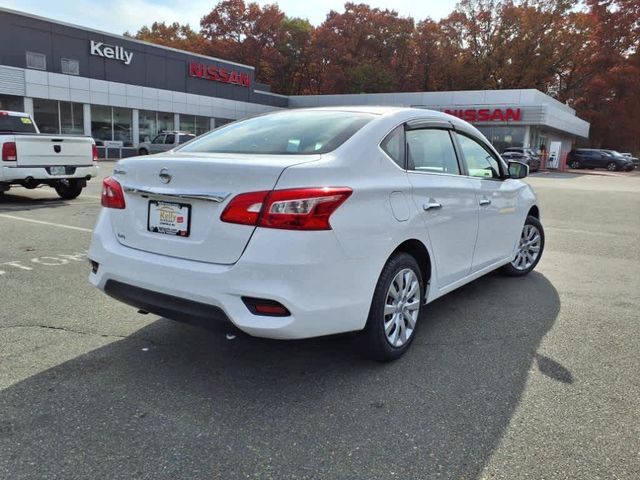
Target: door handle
[(484, 202), (431, 205)]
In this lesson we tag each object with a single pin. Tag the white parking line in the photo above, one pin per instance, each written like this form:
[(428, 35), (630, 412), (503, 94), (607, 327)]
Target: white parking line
[(70, 227)]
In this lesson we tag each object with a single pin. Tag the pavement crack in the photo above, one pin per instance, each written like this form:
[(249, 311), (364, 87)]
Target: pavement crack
[(64, 329)]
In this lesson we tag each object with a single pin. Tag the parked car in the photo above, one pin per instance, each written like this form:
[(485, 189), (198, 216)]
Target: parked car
[(313, 222), (596, 158), (523, 150), (635, 160), (30, 159), (533, 162), (164, 142)]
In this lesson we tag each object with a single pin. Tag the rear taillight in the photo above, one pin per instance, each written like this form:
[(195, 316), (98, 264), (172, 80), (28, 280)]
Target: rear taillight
[(9, 152), (94, 152), (112, 194), (294, 209)]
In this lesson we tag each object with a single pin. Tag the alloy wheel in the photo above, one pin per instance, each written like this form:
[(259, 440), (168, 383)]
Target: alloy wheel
[(402, 307), (611, 166), (528, 248)]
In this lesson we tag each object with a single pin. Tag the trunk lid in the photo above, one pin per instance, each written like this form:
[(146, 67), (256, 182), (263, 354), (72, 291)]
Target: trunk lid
[(49, 150), (203, 182)]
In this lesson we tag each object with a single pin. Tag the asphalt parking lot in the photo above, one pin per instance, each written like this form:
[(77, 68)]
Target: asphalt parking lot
[(508, 378)]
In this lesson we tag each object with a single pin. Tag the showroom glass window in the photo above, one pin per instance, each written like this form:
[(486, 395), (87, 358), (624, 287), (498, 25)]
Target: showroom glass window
[(45, 113), (202, 125), (503, 137), (71, 118), (101, 123), (431, 151), (151, 123), (222, 121), (165, 121), (53, 116), (122, 126), (147, 125), (187, 123), (481, 162), (111, 124)]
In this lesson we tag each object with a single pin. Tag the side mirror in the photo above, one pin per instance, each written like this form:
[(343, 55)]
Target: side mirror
[(518, 170)]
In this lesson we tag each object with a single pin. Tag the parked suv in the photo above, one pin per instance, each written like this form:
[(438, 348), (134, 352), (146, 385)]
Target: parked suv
[(165, 141), (595, 158), (532, 160)]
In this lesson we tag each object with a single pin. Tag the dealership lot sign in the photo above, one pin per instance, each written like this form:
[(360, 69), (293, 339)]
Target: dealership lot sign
[(487, 114), (218, 74), (113, 52)]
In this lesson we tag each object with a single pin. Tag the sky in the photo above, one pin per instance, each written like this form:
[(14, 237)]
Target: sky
[(119, 16)]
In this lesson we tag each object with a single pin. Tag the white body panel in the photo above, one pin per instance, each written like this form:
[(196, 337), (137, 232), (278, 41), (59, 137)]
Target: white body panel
[(325, 278)]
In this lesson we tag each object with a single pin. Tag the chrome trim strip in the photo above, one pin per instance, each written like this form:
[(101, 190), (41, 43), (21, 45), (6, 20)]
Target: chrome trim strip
[(217, 197)]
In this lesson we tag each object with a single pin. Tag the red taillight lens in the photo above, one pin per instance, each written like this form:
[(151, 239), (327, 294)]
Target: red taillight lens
[(244, 208), (302, 208), (9, 152), (294, 209), (112, 194), (94, 152)]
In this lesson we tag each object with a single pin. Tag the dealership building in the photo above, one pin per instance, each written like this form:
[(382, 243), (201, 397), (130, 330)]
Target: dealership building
[(122, 91)]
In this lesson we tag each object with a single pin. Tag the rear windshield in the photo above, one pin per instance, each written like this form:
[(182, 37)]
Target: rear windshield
[(283, 133), (12, 123)]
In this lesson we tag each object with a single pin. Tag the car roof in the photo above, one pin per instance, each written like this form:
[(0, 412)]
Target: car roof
[(14, 114)]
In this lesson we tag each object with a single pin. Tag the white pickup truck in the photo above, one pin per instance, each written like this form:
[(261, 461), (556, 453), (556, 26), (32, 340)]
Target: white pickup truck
[(30, 158)]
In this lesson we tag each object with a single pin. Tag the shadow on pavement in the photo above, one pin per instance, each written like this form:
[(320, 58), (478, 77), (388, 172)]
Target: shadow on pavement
[(195, 405)]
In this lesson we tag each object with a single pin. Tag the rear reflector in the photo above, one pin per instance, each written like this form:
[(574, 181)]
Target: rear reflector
[(9, 152), (112, 194), (292, 209), (265, 307)]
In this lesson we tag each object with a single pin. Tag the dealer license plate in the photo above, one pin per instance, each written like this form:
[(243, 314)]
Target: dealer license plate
[(169, 218), (58, 170)]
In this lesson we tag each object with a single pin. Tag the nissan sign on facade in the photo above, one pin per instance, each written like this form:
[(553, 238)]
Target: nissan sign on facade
[(113, 52), (487, 114)]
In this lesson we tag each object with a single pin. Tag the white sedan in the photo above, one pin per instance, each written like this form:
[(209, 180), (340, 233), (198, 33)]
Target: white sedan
[(313, 222)]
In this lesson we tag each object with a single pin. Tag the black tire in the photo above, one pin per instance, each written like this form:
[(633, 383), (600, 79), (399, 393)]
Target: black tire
[(509, 269), (374, 340), (575, 164), (68, 189), (612, 167), (143, 151)]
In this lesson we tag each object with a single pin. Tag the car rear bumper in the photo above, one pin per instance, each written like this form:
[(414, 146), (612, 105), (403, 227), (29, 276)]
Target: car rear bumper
[(325, 291), (15, 174)]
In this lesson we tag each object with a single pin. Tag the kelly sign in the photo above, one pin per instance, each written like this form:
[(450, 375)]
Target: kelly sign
[(218, 74), (111, 51), (487, 114)]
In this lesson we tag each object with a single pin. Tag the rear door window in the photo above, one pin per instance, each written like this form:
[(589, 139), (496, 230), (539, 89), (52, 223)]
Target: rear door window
[(170, 140)]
